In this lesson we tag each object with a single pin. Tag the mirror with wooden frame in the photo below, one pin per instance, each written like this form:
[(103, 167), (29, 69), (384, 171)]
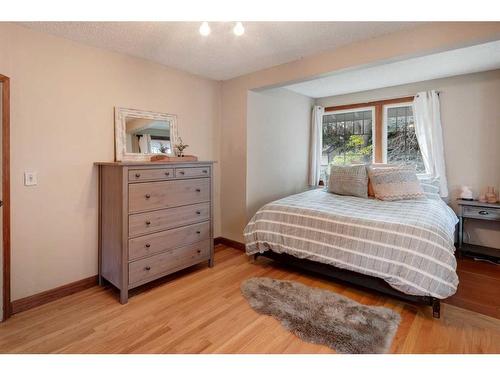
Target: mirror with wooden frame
[(142, 134)]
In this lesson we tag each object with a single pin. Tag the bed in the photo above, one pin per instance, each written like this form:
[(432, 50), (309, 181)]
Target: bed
[(404, 248)]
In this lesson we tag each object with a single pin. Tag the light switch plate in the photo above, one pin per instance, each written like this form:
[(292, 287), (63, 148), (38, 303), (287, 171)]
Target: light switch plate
[(30, 179)]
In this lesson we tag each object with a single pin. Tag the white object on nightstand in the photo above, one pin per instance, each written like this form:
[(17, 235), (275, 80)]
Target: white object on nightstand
[(466, 193), (30, 179)]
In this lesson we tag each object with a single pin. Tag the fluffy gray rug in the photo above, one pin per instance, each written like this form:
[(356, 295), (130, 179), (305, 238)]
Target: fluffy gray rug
[(322, 317)]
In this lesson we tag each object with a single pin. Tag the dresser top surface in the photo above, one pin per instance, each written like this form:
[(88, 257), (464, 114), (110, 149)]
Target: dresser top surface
[(475, 203), (152, 163)]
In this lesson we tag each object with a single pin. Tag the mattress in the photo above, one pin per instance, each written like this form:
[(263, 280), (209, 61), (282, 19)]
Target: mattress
[(409, 244)]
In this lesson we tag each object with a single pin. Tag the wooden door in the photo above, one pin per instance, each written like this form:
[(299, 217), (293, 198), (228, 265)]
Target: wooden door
[(4, 197), (1, 219)]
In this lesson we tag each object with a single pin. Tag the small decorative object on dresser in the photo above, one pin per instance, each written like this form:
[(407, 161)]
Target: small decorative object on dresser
[(477, 211), (154, 219), (180, 159), (180, 147), (491, 196), (466, 193)]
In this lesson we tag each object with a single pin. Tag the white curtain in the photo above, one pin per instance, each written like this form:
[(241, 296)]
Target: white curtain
[(316, 144), (430, 136), (145, 144)]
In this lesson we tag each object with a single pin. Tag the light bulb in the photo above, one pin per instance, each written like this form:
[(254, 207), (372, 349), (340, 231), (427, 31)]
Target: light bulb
[(238, 29), (204, 29)]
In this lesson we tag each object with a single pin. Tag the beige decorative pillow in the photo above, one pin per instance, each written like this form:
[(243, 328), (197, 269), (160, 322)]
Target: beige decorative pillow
[(371, 193), (348, 180), (397, 182)]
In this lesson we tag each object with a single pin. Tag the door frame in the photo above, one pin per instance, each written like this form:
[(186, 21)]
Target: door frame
[(6, 193)]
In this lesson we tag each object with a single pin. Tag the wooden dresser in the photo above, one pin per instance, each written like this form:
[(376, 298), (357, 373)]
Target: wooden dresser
[(154, 219)]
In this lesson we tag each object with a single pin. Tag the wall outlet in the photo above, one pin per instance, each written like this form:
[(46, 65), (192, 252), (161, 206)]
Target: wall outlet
[(30, 179)]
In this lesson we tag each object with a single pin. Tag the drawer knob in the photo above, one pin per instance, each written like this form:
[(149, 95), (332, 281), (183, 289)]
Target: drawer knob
[(198, 232), (137, 175), (483, 212), (148, 245), (167, 173), (147, 268), (181, 172), (198, 251), (198, 190), (205, 171), (148, 196), (198, 212), (148, 222)]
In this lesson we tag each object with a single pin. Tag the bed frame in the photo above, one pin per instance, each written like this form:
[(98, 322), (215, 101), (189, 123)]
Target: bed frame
[(358, 279)]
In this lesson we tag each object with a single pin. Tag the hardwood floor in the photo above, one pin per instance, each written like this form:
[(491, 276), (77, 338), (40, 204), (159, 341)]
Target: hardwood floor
[(479, 287), (202, 311)]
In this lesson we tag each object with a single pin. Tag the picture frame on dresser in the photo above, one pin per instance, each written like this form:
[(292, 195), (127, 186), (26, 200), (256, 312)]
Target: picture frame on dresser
[(155, 218)]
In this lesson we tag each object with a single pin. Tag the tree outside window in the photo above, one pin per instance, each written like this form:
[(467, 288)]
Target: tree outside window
[(402, 144), (347, 139)]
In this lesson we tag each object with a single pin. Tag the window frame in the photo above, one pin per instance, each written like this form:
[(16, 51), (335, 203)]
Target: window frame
[(379, 130), (360, 109), (385, 109)]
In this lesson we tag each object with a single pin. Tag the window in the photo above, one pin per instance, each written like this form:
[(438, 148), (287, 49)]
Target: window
[(160, 145), (401, 140), (347, 138), (381, 131)]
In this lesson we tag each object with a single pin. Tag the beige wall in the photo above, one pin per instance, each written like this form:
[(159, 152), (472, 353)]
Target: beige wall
[(63, 95), (277, 145), (424, 39), (470, 117)]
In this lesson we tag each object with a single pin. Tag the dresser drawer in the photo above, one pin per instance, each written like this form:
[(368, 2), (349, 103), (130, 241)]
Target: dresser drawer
[(192, 172), (484, 213), (158, 242), (150, 174), (156, 221), (150, 268), (155, 195)]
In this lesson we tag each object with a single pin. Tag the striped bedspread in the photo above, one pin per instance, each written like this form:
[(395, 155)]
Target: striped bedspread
[(409, 244)]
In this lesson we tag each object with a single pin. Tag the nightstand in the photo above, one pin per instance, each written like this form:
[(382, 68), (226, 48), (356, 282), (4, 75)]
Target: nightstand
[(477, 211)]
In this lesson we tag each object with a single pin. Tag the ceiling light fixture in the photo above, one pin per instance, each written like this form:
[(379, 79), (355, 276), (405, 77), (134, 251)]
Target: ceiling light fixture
[(238, 29), (204, 29)]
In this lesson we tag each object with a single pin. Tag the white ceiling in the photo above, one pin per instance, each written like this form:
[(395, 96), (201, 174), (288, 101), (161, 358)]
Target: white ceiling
[(221, 55), (473, 59)]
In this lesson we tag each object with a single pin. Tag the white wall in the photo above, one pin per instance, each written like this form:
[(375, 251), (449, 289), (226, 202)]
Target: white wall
[(278, 123), (470, 115), (62, 99)]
